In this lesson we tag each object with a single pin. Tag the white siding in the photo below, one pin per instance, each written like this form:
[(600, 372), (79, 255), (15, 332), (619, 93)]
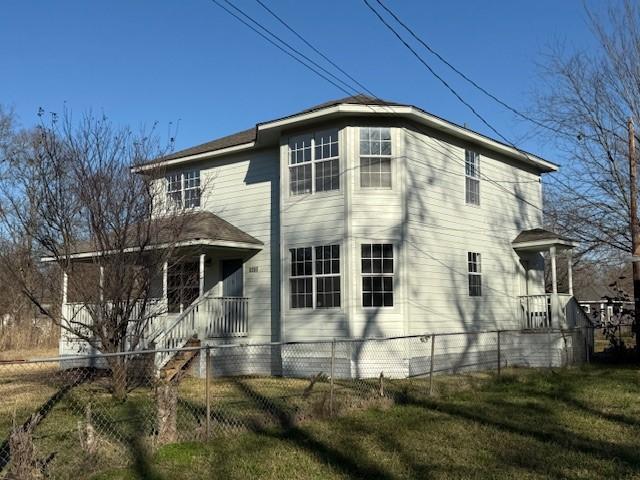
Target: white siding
[(306, 221), (243, 189), (442, 228)]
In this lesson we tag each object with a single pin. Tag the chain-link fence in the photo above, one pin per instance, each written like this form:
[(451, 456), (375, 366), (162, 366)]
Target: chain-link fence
[(73, 416)]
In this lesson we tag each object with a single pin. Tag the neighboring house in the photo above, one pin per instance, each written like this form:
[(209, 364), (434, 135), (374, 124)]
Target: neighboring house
[(358, 218)]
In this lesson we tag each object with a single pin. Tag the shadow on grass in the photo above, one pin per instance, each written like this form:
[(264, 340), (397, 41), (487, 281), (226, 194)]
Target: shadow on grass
[(41, 413), (502, 415), (339, 459)]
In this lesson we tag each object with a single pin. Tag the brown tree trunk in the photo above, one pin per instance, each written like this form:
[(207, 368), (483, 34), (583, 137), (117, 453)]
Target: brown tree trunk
[(167, 412), (118, 367)]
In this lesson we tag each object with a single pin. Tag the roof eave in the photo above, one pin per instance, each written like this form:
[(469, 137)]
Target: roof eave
[(421, 117), (416, 114), (544, 244), (182, 244)]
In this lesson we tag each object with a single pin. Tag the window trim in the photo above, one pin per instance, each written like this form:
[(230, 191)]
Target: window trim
[(314, 276), (468, 177), (392, 275), (477, 273), (389, 156), (171, 203), (313, 162)]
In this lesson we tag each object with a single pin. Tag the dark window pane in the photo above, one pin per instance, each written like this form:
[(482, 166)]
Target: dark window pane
[(387, 266), (388, 299), (377, 299), (376, 266), (366, 266), (367, 299)]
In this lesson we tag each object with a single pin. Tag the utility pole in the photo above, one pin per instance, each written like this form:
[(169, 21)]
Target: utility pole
[(635, 226)]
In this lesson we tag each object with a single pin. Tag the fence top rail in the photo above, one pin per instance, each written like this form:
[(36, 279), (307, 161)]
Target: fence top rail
[(425, 336)]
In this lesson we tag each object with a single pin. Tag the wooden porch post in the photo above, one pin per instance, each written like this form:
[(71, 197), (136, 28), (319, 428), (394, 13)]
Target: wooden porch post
[(570, 272), (201, 272)]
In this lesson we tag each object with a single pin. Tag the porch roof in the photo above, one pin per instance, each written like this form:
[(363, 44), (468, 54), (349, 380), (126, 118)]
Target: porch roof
[(196, 228), (538, 239)]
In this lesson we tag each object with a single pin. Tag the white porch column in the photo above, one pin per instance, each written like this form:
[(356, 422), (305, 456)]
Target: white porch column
[(570, 272), (555, 304), (65, 283), (554, 274), (201, 272), (165, 283), (101, 284)]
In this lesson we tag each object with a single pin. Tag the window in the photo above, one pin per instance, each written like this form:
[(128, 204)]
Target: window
[(317, 267), (183, 285), (314, 164), (327, 276), (377, 274), (183, 189), (472, 177), (475, 274), (326, 161), (375, 157)]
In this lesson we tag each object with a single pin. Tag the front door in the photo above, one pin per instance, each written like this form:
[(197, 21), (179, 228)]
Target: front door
[(232, 278)]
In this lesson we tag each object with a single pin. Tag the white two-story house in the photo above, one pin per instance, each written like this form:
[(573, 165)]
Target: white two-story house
[(357, 218)]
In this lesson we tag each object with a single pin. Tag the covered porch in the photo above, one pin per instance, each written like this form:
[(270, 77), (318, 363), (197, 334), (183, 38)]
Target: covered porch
[(538, 308), (199, 291)]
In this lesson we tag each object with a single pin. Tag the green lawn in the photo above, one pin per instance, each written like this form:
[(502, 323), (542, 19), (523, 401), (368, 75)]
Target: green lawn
[(576, 423)]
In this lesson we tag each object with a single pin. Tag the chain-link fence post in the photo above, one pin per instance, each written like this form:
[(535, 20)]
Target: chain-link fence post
[(207, 389), (499, 355), (333, 369), (433, 342), (587, 351)]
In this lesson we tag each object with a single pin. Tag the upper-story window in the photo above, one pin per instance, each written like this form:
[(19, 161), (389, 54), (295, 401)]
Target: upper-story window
[(472, 177), (375, 157), (183, 189), (314, 164)]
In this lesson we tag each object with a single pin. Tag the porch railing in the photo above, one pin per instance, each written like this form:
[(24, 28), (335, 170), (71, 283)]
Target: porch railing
[(207, 317), (539, 311), (226, 317), (536, 311)]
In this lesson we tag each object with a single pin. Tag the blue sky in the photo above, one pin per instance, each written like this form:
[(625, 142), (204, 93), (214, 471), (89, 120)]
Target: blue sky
[(162, 61)]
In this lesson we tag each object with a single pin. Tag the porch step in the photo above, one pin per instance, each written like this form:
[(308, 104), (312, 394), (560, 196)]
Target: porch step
[(178, 365)]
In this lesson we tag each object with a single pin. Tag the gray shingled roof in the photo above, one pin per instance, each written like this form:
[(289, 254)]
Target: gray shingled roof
[(249, 135), (537, 234), (192, 226)]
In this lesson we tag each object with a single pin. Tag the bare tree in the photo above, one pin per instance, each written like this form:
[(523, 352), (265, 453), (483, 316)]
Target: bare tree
[(69, 195), (587, 99)]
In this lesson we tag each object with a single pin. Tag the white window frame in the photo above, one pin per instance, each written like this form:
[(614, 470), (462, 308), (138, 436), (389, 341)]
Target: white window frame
[(471, 175), (382, 274), (300, 277), (474, 269), (377, 156), (183, 179), (317, 145), (314, 276)]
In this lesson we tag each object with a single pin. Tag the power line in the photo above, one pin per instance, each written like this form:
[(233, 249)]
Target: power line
[(466, 77), (369, 91), (312, 47), (433, 72), (279, 47)]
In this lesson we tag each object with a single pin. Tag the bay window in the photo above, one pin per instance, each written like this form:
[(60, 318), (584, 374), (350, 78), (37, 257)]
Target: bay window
[(375, 157), (314, 164)]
